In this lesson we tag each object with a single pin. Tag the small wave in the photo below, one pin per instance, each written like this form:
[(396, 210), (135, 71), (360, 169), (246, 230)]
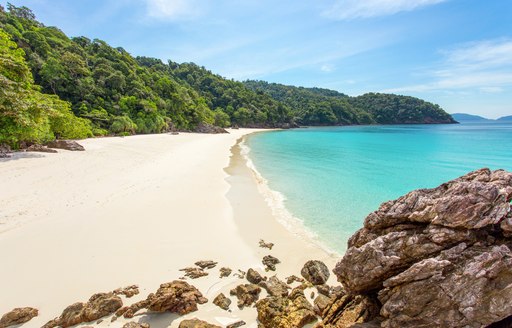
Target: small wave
[(276, 201)]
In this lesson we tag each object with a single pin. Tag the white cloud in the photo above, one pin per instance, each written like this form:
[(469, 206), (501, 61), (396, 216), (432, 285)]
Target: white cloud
[(327, 68), (173, 9), (484, 65), (351, 9)]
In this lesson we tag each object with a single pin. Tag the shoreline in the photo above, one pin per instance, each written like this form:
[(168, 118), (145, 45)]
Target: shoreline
[(137, 210), (276, 201)]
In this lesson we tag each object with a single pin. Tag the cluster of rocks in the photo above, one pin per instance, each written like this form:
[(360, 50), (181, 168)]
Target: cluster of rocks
[(199, 270), (437, 257), (50, 147)]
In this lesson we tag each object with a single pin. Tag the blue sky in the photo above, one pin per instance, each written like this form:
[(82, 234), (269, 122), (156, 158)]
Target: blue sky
[(457, 53)]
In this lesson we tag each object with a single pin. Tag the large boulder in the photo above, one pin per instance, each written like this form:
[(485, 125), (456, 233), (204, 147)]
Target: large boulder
[(176, 296), (66, 144), (437, 257), (98, 306), (316, 272), (18, 316)]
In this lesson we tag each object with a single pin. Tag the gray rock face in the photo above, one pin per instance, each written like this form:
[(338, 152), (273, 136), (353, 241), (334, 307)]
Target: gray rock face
[(66, 144), (437, 257)]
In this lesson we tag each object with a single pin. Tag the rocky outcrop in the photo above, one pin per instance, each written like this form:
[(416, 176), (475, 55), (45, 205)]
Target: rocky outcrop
[(99, 305), (284, 312), (316, 272), (437, 257), (247, 294), (177, 297), (196, 323), (18, 316), (208, 128), (65, 144)]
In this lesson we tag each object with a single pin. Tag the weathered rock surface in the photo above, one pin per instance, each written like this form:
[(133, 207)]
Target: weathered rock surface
[(275, 287), (206, 264), (128, 291), (66, 144), (293, 278), (240, 274), (98, 306), (194, 273), (40, 148), (18, 316), (222, 301), (254, 277), (263, 244), (136, 325), (177, 297), (5, 151), (316, 272), (284, 312), (247, 294), (236, 324), (437, 257), (196, 323), (225, 272), (208, 128), (270, 262)]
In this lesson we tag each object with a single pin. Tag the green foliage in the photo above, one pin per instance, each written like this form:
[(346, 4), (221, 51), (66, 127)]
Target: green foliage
[(113, 92), (315, 106), (221, 118), (123, 124), (27, 115), (394, 109)]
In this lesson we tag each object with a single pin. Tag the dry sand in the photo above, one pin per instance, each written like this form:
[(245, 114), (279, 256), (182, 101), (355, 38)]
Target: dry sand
[(135, 210)]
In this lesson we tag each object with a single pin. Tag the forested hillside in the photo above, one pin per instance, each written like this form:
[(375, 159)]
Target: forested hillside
[(315, 106), (57, 86)]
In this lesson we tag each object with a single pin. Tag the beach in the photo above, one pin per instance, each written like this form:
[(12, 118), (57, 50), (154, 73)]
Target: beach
[(135, 210)]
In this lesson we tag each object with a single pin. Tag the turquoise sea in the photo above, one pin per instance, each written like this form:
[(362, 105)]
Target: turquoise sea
[(329, 179)]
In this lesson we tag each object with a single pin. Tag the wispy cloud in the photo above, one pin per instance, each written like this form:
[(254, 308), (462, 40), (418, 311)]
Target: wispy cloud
[(174, 9), (485, 66), (327, 68), (351, 9)]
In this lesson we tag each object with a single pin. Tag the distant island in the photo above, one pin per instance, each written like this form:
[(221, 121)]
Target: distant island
[(73, 88), (470, 118)]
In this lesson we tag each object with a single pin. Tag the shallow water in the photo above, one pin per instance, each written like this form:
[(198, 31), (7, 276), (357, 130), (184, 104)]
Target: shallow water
[(331, 178)]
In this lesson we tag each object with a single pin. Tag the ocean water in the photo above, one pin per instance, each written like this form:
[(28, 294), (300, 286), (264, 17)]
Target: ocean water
[(327, 180)]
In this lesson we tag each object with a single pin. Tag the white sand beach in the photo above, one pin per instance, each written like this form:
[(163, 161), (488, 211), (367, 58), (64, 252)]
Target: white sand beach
[(135, 210)]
